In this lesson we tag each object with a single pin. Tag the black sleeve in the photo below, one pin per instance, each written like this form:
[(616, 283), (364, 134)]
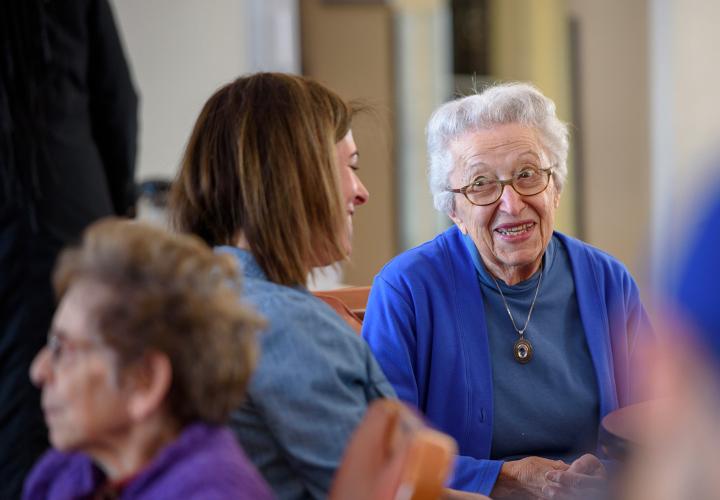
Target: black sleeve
[(113, 106)]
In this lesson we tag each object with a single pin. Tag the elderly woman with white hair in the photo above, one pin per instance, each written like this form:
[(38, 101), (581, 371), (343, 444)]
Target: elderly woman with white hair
[(511, 337)]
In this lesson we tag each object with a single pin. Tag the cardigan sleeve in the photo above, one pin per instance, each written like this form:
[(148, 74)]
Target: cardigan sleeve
[(639, 337), (390, 330), (475, 475)]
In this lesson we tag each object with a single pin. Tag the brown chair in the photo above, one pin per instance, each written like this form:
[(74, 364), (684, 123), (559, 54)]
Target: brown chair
[(348, 302), (354, 297), (343, 311), (393, 455)]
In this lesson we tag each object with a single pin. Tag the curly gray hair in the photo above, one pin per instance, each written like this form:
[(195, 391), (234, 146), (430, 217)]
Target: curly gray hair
[(496, 105)]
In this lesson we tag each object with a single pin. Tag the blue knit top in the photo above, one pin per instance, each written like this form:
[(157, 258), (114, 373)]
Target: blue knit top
[(549, 406)]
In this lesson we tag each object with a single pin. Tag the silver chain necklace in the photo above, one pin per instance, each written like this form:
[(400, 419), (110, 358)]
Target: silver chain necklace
[(523, 349)]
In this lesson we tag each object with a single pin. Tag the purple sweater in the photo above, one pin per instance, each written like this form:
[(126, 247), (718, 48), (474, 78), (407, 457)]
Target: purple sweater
[(204, 462)]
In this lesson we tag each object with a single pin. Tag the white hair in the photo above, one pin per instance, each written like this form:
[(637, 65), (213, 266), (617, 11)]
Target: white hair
[(496, 105)]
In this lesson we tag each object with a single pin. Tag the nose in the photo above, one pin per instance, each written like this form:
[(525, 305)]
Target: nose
[(510, 201), (40, 369), (360, 191)]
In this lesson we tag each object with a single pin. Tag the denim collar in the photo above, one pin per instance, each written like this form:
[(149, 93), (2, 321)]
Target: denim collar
[(249, 266)]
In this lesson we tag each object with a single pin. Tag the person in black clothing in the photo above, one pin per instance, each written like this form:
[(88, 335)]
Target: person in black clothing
[(68, 137)]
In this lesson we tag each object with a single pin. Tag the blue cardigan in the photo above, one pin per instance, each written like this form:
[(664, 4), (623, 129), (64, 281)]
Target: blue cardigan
[(425, 323)]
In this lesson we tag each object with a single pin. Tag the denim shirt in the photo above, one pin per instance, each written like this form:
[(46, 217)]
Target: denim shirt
[(311, 388)]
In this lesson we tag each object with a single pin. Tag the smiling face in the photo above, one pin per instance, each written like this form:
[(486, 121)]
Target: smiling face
[(354, 192), (85, 407), (512, 233)]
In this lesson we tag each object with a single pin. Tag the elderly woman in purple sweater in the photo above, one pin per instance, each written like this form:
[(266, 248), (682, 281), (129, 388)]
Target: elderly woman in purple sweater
[(148, 352)]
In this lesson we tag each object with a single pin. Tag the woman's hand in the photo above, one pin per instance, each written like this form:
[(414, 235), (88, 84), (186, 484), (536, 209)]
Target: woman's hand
[(585, 478), (526, 478)]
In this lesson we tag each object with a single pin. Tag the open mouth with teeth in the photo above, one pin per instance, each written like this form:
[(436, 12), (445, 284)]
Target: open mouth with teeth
[(515, 230)]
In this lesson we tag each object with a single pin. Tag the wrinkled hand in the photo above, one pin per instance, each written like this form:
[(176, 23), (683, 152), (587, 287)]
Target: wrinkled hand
[(521, 479), (585, 478)]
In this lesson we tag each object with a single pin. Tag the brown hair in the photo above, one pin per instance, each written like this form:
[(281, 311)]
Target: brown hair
[(261, 163), (171, 294)]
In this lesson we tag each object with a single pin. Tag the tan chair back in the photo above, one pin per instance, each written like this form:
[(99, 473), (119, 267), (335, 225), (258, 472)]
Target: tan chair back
[(354, 297), (348, 302), (393, 455)]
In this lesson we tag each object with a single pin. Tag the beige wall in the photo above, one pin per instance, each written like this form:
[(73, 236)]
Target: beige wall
[(180, 52), (530, 43), (614, 101), (349, 48), (694, 102)]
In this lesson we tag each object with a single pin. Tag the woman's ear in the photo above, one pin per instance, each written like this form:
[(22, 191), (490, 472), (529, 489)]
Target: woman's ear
[(149, 383), (458, 221)]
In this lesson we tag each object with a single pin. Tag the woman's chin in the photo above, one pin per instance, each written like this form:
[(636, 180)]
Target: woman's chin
[(346, 245), (60, 442)]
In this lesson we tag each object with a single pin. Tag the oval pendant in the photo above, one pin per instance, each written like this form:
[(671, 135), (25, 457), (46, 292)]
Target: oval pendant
[(523, 350)]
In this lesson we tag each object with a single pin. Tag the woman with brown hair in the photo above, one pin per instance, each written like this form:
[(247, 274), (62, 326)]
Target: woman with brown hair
[(148, 353), (269, 176)]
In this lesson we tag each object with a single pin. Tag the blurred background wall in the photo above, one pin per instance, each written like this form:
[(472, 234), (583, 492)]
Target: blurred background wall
[(611, 126), (633, 78), (180, 51), (684, 120), (350, 49)]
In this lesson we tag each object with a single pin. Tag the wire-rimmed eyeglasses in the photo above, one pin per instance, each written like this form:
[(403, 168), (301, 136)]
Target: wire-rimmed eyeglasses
[(528, 181), (61, 347)]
